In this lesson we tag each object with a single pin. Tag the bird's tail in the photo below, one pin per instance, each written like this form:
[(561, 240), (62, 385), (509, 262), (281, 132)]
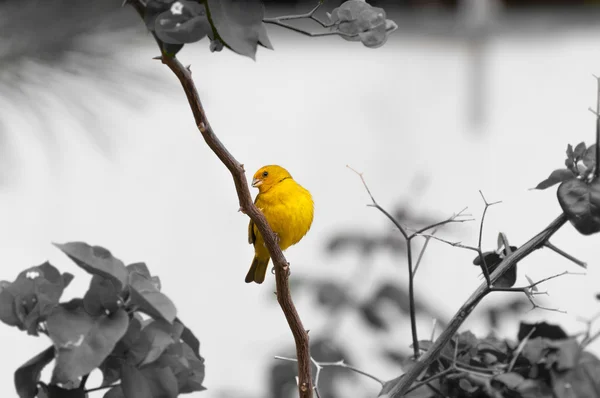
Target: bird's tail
[(258, 270)]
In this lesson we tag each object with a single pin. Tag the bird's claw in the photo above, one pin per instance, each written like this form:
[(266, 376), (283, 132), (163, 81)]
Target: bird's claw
[(289, 272)]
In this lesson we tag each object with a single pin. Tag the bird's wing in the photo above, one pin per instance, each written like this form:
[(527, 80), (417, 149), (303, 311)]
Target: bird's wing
[(251, 234)]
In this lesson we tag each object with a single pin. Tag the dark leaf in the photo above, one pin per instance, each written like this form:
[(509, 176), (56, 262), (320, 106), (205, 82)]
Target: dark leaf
[(493, 260), (133, 383), (82, 341), (184, 22), (97, 261), (28, 374), (188, 337), (581, 204), (102, 296), (238, 24), (146, 296), (542, 329), (555, 177), (579, 150), (534, 389), (53, 391), (159, 333)]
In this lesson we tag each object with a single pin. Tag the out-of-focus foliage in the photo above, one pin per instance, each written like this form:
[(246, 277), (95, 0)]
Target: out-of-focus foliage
[(543, 363)]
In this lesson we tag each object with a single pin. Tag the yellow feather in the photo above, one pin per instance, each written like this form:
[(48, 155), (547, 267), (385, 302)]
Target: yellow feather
[(289, 210)]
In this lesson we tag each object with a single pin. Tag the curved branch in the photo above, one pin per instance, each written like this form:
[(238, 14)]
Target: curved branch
[(305, 385)]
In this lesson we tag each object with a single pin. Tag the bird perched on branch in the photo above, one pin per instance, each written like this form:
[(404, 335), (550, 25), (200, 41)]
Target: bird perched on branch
[(288, 208)]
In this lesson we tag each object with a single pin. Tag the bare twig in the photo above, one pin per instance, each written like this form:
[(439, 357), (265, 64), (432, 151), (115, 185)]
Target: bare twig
[(565, 255), (246, 204), (519, 349), (102, 388), (531, 290), (411, 293), (338, 364)]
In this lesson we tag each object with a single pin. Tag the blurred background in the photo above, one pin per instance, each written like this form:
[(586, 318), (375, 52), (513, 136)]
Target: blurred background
[(97, 144)]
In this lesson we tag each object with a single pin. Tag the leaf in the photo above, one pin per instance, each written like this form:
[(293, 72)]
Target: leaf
[(581, 204), (96, 260), (184, 22), (188, 337), (238, 24), (589, 158), (140, 268), (30, 298), (582, 382), (555, 177), (542, 329), (102, 296), (133, 383), (149, 299), (28, 374), (53, 391), (185, 365), (493, 260), (466, 385), (159, 334), (511, 379), (82, 341), (115, 392), (579, 150), (570, 156), (162, 382)]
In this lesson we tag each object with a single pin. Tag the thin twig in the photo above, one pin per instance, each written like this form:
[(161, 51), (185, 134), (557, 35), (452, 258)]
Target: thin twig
[(519, 349), (411, 292), (102, 387), (338, 364), (566, 255), (247, 205)]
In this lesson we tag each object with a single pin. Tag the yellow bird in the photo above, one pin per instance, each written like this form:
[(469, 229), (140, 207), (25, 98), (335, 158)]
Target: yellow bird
[(288, 208)]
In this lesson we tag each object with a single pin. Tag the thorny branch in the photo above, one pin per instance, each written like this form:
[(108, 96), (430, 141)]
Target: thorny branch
[(247, 206)]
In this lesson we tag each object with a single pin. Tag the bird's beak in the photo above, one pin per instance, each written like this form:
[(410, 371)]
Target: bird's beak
[(256, 182)]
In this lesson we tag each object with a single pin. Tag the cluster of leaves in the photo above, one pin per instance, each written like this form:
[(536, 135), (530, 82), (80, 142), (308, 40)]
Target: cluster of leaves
[(233, 24), (239, 25), (359, 21), (579, 191), (153, 355), (544, 363)]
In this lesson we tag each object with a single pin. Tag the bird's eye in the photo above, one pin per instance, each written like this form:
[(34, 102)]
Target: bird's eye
[(265, 173)]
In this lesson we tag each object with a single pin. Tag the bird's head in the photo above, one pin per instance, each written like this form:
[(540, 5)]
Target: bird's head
[(268, 176)]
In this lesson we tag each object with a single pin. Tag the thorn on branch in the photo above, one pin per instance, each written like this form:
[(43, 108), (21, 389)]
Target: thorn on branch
[(158, 58), (565, 254)]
